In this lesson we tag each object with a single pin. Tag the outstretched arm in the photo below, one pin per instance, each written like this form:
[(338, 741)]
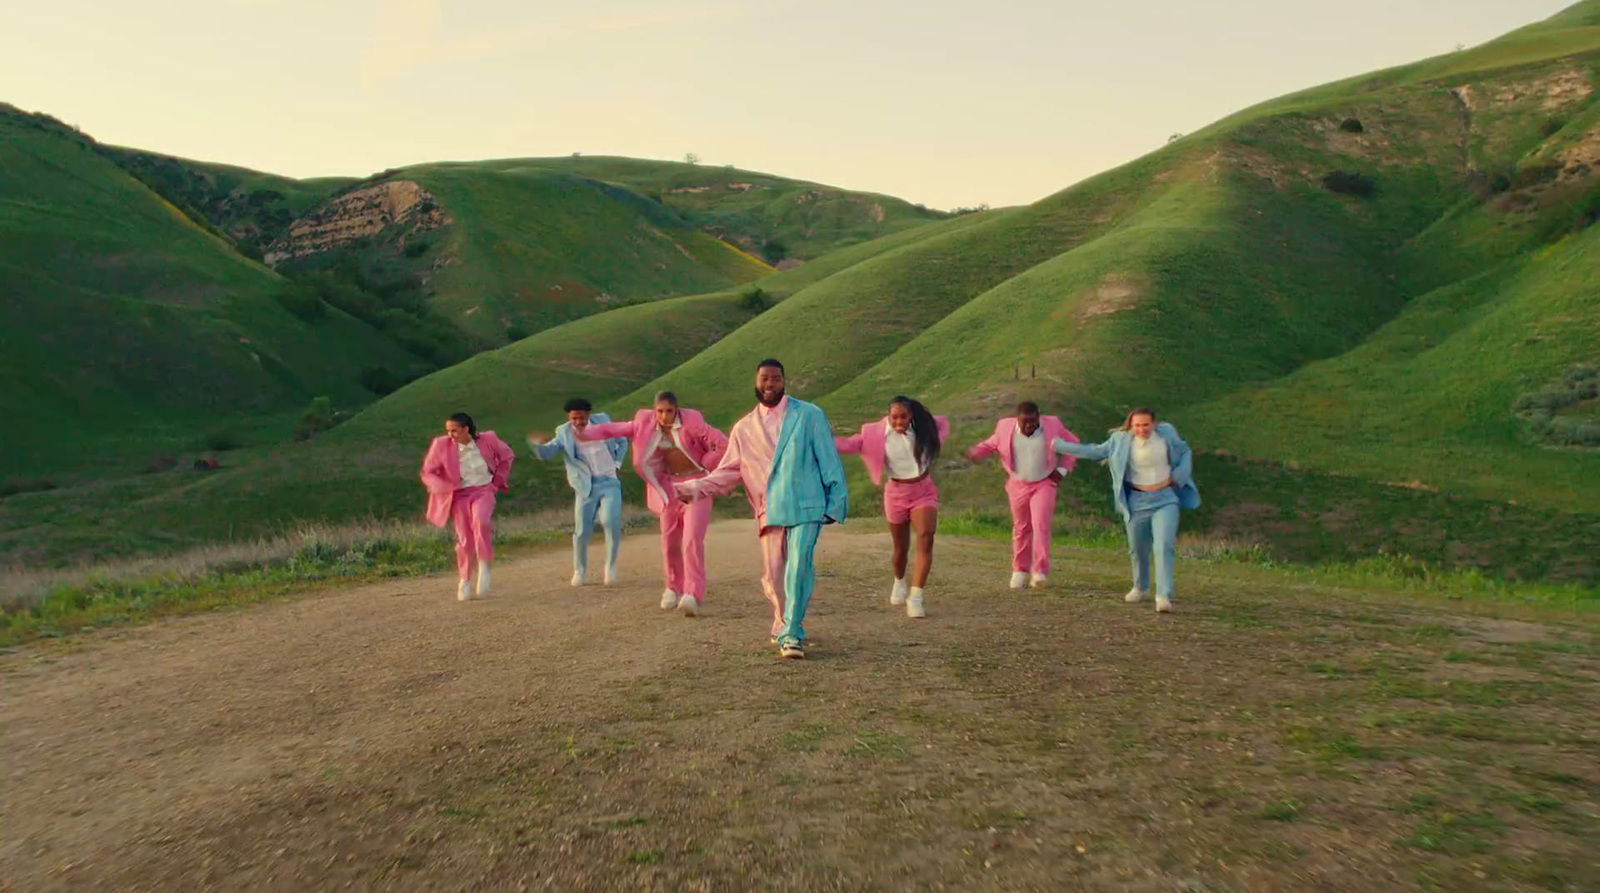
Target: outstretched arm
[(544, 450), (851, 444), (606, 431), (1094, 452), (720, 481), (984, 448)]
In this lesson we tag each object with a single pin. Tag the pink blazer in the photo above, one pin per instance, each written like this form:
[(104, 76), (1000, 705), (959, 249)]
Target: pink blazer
[(870, 444), (701, 441), (1000, 442), (441, 471)]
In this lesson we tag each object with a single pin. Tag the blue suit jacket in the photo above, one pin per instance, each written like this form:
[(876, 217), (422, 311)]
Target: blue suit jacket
[(807, 484), (565, 444), (1119, 446)]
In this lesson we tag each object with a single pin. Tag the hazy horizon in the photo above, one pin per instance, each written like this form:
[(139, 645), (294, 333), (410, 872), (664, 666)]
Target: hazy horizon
[(967, 103)]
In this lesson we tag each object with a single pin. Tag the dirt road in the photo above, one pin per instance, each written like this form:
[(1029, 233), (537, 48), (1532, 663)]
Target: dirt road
[(549, 738)]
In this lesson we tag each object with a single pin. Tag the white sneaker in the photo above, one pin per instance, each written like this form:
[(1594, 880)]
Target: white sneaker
[(914, 604), (483, 579), (611, 576), (577, 578), (464, 591), (1019, 579), (1037, 581), (689, 605), (1163, 605), (897, 595), (1134, 595), (669, 600)]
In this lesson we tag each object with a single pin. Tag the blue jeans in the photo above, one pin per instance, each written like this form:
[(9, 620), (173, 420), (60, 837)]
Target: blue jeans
[(1153, 527), (604, 504), (799, 579)]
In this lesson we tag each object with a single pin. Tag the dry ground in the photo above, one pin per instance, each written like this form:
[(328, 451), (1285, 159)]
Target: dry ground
[(1270, 736)]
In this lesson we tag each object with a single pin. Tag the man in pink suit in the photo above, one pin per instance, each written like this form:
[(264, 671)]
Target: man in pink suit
[(463, 470), (672, 445), (1024, 444)]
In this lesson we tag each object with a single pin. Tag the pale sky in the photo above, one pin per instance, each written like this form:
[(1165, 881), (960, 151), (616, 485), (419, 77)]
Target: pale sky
[(944, 103)]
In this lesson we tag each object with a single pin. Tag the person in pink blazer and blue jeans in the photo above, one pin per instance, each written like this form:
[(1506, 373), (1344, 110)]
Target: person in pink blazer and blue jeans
[(673, 445), (1025, 444), (904, 445), (463, 470)]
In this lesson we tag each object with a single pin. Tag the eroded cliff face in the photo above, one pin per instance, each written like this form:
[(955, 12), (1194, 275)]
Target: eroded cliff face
[(359, 214)]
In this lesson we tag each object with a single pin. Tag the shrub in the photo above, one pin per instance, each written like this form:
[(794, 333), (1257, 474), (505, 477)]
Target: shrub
[(1576, 386), (1352, 125), (1551, 127), (302, 301), (416, 249), (517, 333), (317, 418), (221, 441), (755, 300), (774, 251), (1349, 183), (380, 380), (1535, 175)]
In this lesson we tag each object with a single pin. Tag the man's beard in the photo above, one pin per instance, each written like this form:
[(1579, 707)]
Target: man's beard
[(761, 398)]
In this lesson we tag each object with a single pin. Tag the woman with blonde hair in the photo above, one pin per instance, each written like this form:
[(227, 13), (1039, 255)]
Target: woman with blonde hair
[(1152, 477)]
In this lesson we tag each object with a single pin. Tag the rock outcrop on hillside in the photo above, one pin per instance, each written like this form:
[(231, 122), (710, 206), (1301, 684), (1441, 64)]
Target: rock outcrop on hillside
[(361, 213)]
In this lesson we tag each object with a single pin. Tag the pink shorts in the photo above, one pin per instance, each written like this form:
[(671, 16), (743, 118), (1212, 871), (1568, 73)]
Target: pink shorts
[(901, 499)]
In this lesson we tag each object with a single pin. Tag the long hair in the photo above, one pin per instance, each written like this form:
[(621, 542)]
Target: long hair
[(925, 428), (1127, 423), (465, 421)]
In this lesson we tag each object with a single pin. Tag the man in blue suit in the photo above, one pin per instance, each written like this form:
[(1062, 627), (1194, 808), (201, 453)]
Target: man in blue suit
[(783, 453), (592, 473)]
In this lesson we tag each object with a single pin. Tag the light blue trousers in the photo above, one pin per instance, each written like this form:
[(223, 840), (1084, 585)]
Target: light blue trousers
[(799, 579), (605, 505), (1153, 532)]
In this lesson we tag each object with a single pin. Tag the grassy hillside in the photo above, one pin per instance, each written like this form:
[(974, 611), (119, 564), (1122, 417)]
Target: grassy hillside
[(126, 325), (506, 248), (1369, 305), (250, 208)]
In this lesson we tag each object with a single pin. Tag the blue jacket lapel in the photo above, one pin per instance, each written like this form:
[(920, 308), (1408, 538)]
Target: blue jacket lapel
[(791, 423)]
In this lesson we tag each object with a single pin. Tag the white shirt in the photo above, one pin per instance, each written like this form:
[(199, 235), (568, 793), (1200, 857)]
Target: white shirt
[(474, 470), (1148, 464), (900, 454), (1031, 455), (595, 455), (677, 440)]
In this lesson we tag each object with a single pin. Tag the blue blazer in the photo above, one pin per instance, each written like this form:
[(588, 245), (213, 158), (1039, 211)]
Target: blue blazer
[(807, 484), (565, 444), (1119, 446)]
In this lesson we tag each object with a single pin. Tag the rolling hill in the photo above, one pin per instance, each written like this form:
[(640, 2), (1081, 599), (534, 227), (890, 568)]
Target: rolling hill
[(123, 315), (1369, 304)]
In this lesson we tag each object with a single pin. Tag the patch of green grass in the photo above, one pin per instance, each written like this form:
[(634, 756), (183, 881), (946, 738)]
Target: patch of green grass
[(803, 739), (873, 743), (1328, 746), (1282, 811), (646, 857)]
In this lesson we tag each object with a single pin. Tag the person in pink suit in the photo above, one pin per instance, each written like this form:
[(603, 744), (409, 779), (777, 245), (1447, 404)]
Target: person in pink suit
[(672, 445), (1025, 444), (463, 470), (903, 446)]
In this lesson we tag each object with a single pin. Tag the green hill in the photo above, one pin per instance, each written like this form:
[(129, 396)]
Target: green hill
[(1368, 304), (125, 323), (503, 249)]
